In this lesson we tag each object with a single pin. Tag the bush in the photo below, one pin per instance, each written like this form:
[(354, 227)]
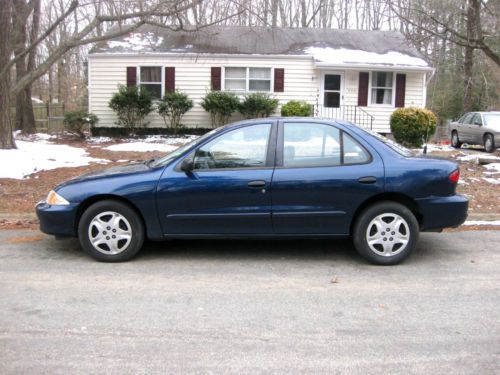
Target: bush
[(78, 122), (131, 104), (220, 105), (296, 108), (172, 107), (258, 104), (413, 126)]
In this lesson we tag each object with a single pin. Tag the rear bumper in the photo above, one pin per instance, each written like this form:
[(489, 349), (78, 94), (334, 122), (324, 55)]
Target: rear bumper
[(57, 220), (443, 212)]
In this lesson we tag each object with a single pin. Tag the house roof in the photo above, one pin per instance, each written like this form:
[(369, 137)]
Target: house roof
[(326, 46)]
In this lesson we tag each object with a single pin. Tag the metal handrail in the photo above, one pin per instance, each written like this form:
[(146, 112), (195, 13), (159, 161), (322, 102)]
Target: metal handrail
[(352, 113)]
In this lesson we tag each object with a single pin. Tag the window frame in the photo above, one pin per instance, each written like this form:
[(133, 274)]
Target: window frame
[(371, 87), (280, 147), (162, 75), (247, 79)]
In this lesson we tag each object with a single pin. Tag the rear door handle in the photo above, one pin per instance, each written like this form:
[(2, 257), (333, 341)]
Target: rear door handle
[(257, 184), (367, 180)]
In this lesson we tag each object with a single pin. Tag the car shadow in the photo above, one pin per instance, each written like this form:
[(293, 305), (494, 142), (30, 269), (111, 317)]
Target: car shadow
[(301, 250)]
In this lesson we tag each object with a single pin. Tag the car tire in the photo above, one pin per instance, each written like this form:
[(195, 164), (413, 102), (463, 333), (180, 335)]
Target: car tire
[(111, 231), (489, 143), (455, 141), (385, 233)]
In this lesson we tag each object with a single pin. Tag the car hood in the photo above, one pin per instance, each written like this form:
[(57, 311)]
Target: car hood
[(108, 172)]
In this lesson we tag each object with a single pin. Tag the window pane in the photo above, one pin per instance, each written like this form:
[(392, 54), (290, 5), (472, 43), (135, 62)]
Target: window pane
[(235, 84), (332, 82), (241, 148), (154, 90), (150, 74), (259, 85), (236, 72), (311, 145), (382, 79), (262, 73), (332, 99), (381, 96), (353, 152)]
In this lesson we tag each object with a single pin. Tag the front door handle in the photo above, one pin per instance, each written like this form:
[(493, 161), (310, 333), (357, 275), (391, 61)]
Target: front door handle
[(367, 180), (257, 184)]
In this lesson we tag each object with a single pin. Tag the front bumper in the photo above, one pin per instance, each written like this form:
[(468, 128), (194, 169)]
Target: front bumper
[(443, 212), (57, 220)]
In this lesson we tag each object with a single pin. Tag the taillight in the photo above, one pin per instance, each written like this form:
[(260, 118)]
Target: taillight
[(454, 176)]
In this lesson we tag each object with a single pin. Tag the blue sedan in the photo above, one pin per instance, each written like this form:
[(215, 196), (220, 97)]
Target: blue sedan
[(265, 178)]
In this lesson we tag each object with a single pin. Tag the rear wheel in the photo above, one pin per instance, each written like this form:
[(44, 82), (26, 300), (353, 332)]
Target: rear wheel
[(386, 233), (489, 143), (111, 231), (455, 141)]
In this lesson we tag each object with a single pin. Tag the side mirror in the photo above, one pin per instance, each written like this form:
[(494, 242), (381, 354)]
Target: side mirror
[(187, 165)]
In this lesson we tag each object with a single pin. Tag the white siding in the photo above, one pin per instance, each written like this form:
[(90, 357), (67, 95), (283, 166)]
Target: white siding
[(192, 75)]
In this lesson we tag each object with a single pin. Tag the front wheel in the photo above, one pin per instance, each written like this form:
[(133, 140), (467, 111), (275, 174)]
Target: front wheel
[(489, 143), (385, 233), (111, 231)]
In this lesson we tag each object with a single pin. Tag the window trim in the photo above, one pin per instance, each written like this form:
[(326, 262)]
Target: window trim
[(280, 147), (247, 79), (370, 87), (162, 74)]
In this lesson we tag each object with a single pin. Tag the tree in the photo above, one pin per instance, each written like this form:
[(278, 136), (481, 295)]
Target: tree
[(84, 24)]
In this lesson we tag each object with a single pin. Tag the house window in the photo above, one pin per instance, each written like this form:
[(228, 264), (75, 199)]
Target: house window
[(247, 79), (382, 88), (150, 79)]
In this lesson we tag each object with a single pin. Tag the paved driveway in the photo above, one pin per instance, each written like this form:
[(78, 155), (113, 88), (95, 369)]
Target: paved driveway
[(250, 307)]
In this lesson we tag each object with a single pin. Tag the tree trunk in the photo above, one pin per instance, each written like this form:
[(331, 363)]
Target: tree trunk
[(6, 137), (25, 119), (469, 55)]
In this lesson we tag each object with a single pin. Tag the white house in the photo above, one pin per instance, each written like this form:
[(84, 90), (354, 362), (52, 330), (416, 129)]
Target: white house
[(359, 76)]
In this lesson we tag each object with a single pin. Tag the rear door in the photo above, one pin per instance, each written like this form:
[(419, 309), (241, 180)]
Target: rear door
[(465, 132), (322, 175)]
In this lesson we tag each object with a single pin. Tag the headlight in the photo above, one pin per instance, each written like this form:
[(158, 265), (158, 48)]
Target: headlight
[(55, 199)]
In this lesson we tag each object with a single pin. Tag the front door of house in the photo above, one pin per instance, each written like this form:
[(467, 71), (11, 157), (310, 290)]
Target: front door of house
[(332, 90)]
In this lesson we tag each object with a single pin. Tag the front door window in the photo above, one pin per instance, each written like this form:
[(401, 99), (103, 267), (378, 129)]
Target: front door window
[(331, 90)]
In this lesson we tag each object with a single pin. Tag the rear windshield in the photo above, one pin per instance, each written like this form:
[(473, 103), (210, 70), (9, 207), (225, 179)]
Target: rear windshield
[(390, 143)]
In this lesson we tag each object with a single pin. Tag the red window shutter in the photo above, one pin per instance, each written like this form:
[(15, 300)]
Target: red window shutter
[(279, 80), (364, 77), (169, 79), (400, 90), (131, 76), (216, 78)]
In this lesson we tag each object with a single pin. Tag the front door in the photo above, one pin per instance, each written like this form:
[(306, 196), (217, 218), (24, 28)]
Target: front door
[(228, 192), (331, 87), (322, 175)]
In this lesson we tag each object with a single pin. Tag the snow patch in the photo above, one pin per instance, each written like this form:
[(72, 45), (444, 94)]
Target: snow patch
[(141, 147), (31, 157), (482, 222), (138, 42), (343, 56)]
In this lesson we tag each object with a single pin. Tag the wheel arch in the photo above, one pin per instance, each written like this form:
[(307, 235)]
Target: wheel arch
[(82, 207), (402, 199)]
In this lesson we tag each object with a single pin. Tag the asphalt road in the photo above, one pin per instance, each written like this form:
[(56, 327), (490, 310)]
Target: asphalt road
[(250, 307)]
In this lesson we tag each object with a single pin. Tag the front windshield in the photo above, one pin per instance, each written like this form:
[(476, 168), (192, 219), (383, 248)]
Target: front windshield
[(492, 120), (390, 143), (160, 162)]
